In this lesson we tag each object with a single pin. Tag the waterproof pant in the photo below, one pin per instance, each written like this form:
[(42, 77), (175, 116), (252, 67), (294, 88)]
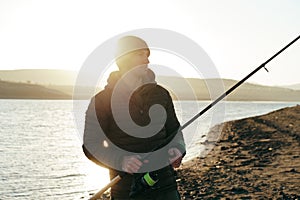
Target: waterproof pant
[(171, 195)]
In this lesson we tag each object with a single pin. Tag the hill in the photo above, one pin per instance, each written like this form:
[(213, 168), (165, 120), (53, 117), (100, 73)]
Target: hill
[(11, 90), (40, 76), (199, 89), (191, 89), (180, 88), (203, 89), (293, 87)]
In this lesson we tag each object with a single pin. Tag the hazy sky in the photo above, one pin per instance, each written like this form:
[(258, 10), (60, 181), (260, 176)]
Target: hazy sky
[(238, 35)]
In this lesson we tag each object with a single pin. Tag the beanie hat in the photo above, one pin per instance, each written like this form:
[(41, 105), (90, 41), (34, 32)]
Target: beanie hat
[(128, 44)]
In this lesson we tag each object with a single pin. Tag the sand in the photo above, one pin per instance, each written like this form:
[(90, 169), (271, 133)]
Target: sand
[(254, 158)]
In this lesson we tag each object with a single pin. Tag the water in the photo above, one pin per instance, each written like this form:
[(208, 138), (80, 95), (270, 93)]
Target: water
[(41, 156)]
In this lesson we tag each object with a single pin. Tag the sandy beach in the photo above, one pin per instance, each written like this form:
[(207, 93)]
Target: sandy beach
[(254, 158)]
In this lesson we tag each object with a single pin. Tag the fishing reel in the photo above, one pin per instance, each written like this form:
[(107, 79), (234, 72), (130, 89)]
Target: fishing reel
[(143, 183)]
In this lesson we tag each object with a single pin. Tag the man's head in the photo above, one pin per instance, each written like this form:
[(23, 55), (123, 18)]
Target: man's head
[(132, 52)]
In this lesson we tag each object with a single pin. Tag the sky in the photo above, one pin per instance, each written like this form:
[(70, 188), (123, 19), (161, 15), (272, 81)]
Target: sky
[(237, 35)]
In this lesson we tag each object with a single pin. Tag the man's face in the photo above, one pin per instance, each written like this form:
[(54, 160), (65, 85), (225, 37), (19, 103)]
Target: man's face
[(138, 62)]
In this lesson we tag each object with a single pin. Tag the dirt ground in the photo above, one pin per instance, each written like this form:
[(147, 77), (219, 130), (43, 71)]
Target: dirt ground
[(254, 158)]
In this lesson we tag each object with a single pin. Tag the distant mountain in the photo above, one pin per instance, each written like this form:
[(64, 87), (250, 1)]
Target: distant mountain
[(293, 87), (11, 90), (208, 89), (60, 84), (40, 76), (211, 89)]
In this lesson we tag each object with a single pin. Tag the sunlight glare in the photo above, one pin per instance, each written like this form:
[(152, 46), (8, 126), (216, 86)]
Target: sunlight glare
[(96, 176)]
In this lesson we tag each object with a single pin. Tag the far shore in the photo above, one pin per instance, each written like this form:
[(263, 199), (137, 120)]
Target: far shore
[(180, 89)]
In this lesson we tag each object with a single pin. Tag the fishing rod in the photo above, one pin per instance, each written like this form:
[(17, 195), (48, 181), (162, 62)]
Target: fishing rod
[(119, 177)]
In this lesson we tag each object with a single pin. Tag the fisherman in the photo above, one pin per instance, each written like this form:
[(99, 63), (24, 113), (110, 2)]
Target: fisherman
[(134, 85)]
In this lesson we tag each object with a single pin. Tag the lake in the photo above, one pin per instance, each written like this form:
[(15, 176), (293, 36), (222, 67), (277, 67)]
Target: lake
[(41, 156)]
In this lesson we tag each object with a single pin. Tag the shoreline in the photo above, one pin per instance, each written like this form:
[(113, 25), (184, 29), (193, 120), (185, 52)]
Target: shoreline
[(254, 158)]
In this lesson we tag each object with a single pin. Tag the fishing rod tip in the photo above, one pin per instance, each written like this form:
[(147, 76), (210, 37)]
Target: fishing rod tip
[(266, 69)]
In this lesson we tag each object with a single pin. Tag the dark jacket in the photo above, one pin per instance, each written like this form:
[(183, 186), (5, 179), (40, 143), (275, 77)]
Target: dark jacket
[(111, 137)]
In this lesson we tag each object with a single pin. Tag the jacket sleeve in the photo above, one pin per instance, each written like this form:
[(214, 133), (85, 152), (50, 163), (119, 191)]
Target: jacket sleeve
[(172, 125), (96, 146)]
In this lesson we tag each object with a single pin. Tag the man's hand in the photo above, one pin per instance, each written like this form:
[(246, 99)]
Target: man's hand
[(132, 164), (176, 157)]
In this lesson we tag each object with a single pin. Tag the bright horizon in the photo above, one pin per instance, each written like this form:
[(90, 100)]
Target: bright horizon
[(237, 35)]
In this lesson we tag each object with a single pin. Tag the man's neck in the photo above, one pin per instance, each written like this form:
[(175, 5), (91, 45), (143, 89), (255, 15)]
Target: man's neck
[(132, 81)]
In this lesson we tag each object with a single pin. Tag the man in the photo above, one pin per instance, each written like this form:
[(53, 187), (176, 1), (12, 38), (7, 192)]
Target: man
[(125, 122)]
